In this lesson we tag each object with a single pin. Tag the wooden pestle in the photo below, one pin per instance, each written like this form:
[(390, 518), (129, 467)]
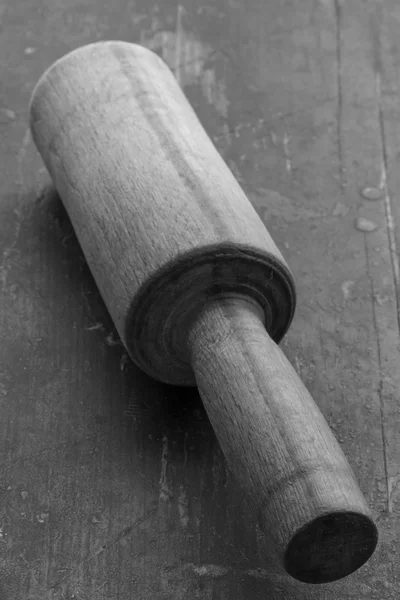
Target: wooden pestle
[(198, 291)]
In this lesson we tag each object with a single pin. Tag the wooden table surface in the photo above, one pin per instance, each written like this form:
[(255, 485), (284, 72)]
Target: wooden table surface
[(112, 485)]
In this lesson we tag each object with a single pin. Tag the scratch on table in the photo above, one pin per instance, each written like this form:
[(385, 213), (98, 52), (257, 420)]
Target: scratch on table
[(51, 450), (376, 19), (165, 492), (99, 588), (390, 229), (124, 533), (209, 570), (216, 571), (106, 546), (94, 327), (380, 385), (390, 224), (339, 93), (286, 152)]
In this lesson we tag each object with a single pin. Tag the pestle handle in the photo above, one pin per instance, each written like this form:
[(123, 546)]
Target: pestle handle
[(279, 446)]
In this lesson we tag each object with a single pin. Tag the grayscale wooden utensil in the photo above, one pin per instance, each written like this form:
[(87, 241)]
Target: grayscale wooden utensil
[(198, 291)]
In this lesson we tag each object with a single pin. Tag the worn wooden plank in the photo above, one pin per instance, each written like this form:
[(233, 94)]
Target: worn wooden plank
[(113, 485), (367, 162)]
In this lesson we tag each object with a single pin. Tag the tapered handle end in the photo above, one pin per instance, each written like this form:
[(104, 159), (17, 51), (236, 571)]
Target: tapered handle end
[(279, 446)]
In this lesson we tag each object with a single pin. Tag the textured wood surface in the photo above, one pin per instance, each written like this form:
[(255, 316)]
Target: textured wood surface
[(301, 98), (163, 225)]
